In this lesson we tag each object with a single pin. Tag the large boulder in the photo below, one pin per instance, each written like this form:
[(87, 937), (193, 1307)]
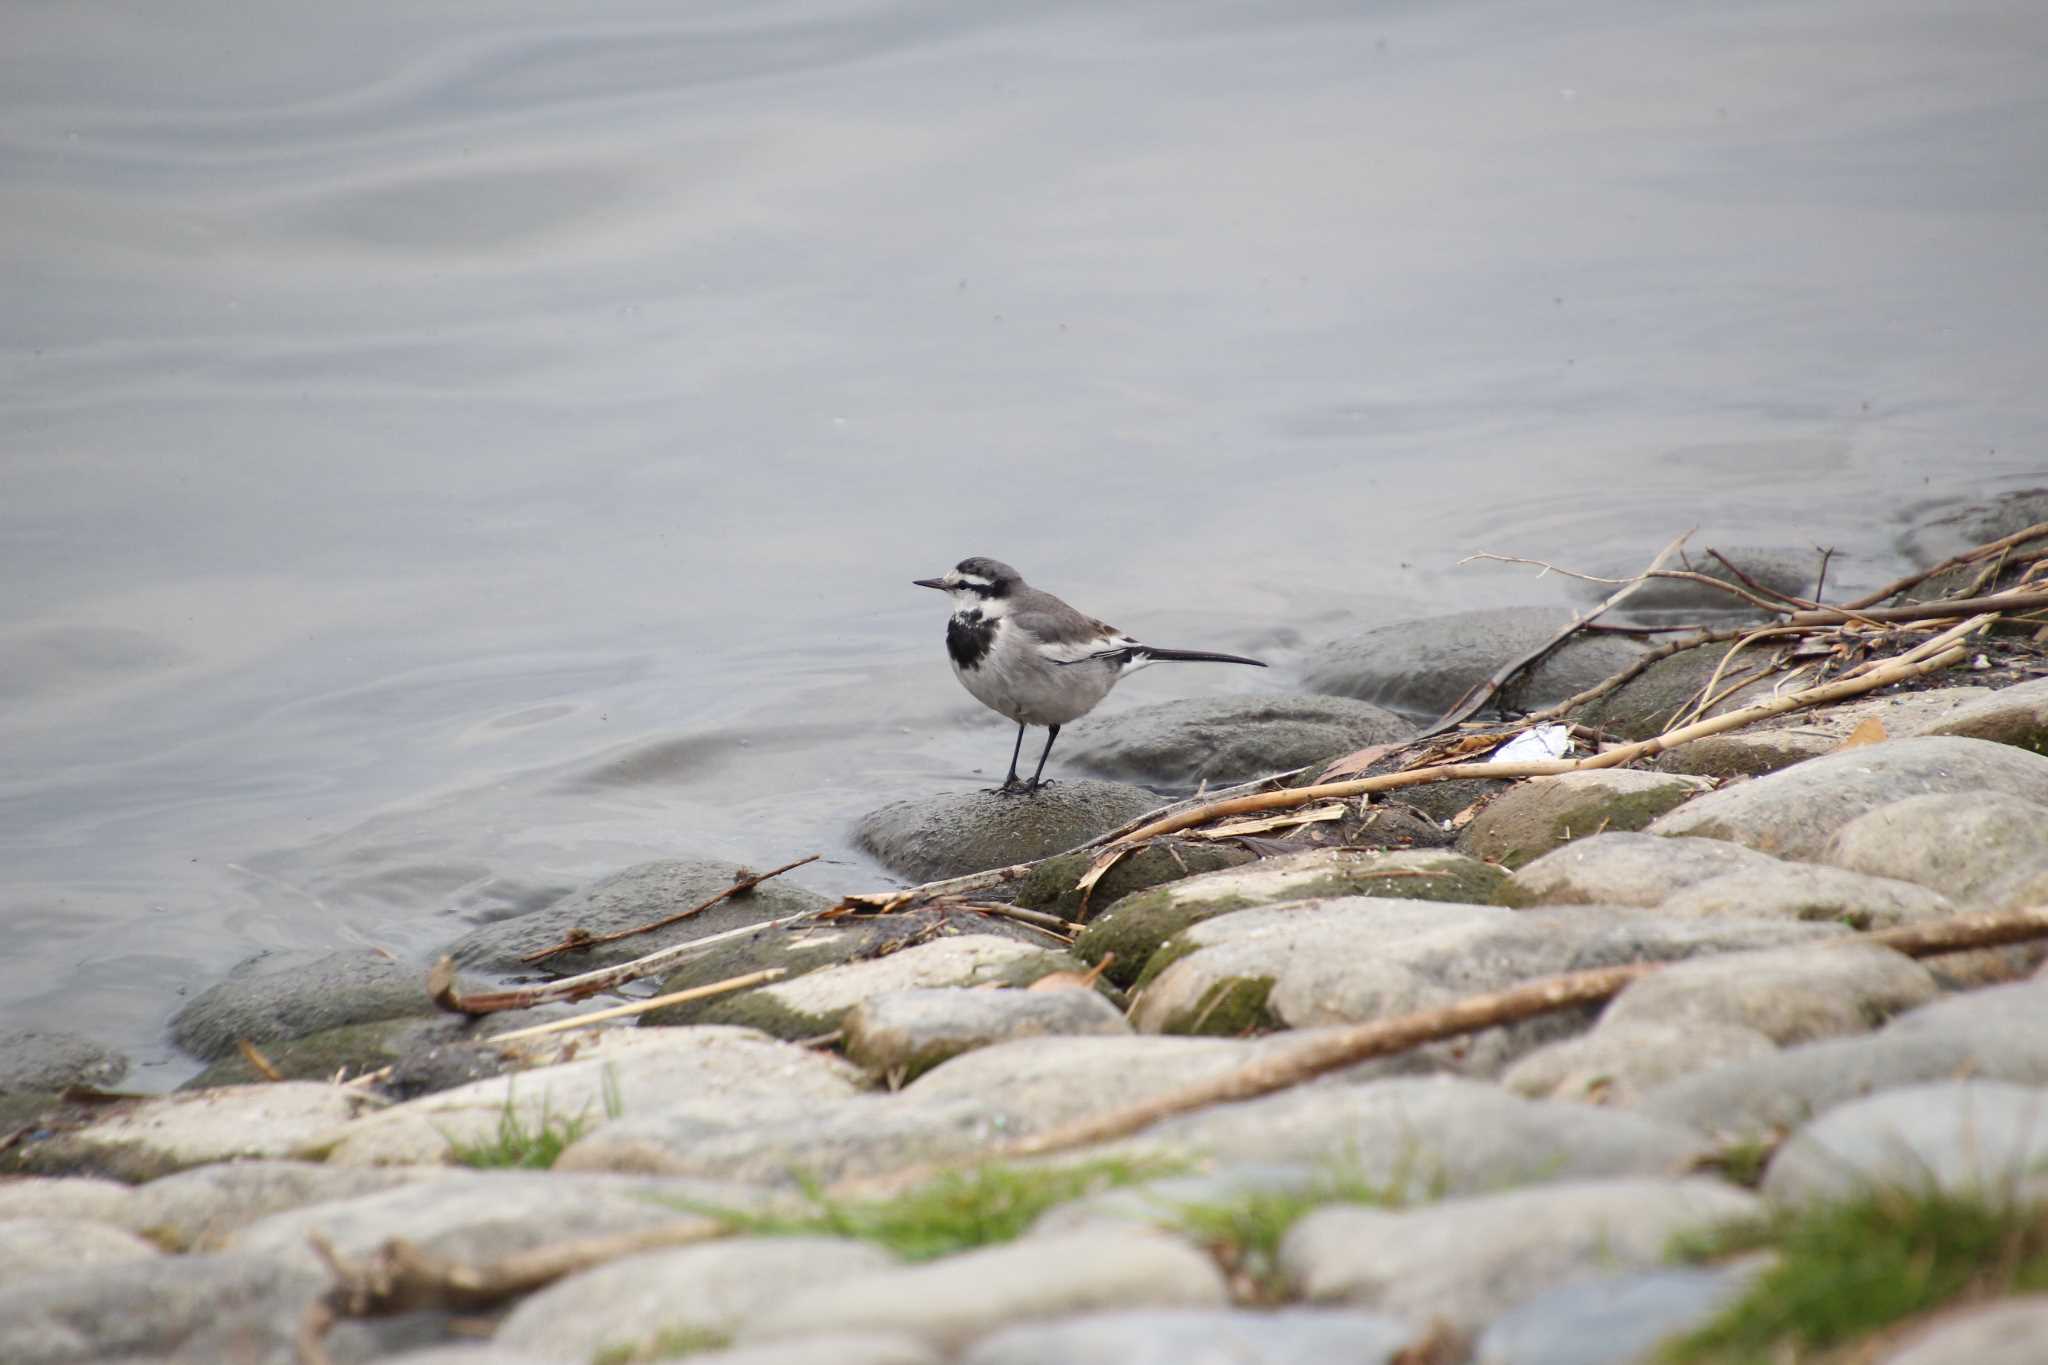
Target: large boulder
[(953, 833), (1221, 740)]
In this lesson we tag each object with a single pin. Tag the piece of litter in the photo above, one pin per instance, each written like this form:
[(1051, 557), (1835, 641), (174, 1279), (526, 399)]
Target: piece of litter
[(1536, 744)]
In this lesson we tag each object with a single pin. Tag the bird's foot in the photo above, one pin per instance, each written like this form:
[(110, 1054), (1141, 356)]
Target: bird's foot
[(1017, 786)]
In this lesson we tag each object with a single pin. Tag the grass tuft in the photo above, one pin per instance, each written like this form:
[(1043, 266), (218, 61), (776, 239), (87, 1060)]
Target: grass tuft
[(518, 1146), (668, 1344), (955, 1212), (1244, 1233), (1845, 1270)]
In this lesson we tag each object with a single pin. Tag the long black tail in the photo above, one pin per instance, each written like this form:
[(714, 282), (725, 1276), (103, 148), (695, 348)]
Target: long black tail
[(1194, 656)]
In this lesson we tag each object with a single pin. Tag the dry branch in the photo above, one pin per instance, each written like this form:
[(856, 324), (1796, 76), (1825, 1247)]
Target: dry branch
[(574, 939), (1969, 556), (730, 984)]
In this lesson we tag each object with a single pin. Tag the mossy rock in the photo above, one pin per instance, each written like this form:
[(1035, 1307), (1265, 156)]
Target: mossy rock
[(1522, 825), (1136, 927), (354, 1048), (1050, 885), (1230, 1008)]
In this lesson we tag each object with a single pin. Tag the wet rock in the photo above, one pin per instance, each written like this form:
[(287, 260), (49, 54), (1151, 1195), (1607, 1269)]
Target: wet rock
[(1655, 699), (1626, 869), (143, 1139), (950, 1302), (2016, 715), (479, 1216), (350, 1050), (1612, 1319), (817, 1002), (1134, 927), (35, 1246), (954, 833), (1766, 746), (1051, 885), (697, 1293), (1965, 528), (1956, 842), (279, 995), (1470, 1260), (1196, 1336), (1795, 813), (179, 1310), (1536, 816), (1612, 1065), (801, 949), (34, 1060), (1420, 1137), (632, 896), (1989, 1033), (1780, 568), (1225, 740), (903, 1034), (1421, 668), (1806, 892), (1790, 995), (1956, 1136), (199, 1209), (621, 1071), (2004, 1333)]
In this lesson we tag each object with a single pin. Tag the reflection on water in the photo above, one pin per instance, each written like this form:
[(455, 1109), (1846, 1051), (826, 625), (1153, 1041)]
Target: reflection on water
[(455, 451)]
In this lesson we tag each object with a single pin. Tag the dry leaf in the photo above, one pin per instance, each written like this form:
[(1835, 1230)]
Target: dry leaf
[(1260, 824), (1073, 981), (1355, 763), (1869, 731)]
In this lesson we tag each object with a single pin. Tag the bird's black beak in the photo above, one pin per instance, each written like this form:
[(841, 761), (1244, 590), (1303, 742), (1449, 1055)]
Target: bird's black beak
[(938, 583)]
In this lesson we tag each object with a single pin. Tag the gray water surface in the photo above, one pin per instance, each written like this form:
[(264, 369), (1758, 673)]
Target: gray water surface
[(454, 450)]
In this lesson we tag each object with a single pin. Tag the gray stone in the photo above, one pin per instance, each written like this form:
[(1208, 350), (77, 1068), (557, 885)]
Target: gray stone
[(1165, 1202), (1053, 1080), (631, 896), (1959, 843), (1956, 1136), (2024, 886), (351, 1049), (817, 1002), (197, 1210), (952, 1301), (799, 949), (1134, 928), (1809, 892), (33, 1059), (954, 833), (698, 1292), (485, 1215), (1614, 1064), (1768, 745), (1790, 995), (903, 1034), (1536, 816), (1796, 812), (1626, 869), (2016, 715), (829, 1348), (1469, 1260), (143, 1139), (468, 1353), (2015, 1008), (1421, 668), (615, 1072), (2006, 1333), (1777, 1093), (1418, 1137), (170, 1310), (65, 1197), (1964, 528), (274, 996), (34, 1246), (1054, 883), (1200, 1336), (1612, 1319), (1222, 740)]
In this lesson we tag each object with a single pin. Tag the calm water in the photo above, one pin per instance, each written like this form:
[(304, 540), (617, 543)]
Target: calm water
[(452, 451)]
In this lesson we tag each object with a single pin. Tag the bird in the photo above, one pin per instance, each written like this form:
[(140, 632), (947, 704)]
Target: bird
[(1025, 654)]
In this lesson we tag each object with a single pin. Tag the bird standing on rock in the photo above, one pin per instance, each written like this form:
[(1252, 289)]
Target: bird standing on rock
[(1031, 657)]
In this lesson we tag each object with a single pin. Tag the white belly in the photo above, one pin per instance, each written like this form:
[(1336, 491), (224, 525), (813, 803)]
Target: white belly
[(1015, 680)]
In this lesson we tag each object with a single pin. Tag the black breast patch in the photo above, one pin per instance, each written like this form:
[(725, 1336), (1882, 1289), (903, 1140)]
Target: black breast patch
[(969, 639)]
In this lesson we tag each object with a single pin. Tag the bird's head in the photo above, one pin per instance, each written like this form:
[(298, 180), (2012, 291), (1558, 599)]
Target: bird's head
[(975, 582)]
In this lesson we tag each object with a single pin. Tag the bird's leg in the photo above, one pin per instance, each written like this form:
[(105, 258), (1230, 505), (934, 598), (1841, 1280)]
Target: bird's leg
[(1051, 735), (1011, 783)]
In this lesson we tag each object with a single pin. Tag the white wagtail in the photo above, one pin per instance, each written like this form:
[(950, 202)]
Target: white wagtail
[(1031, 657)]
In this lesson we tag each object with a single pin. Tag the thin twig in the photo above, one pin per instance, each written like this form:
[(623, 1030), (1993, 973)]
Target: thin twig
[(730, 984), (1633, 671), (1923, 611), (1483, 691), (1677, 575), (1969, 556), (1746, 581), (574, 940)]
